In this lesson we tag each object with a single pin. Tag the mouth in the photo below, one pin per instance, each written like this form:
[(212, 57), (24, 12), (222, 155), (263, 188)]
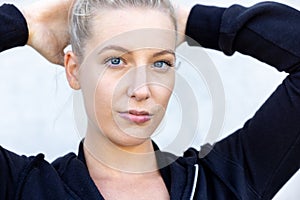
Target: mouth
[(138, 117)]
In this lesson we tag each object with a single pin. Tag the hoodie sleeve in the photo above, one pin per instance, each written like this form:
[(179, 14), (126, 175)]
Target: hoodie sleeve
[(13, 33), (11, 168), (13, 28), (266, 151)]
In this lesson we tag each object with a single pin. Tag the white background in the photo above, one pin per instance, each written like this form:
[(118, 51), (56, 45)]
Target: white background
[(36, 113)]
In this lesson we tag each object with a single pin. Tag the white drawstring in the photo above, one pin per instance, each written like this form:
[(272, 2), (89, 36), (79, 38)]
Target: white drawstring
[(195, 181)]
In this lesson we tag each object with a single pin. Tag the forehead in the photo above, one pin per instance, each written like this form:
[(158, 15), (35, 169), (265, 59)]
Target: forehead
[(133, 28)]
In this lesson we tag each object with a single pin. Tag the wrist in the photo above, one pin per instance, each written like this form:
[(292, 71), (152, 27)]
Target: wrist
[(182, 19), (203, 26)]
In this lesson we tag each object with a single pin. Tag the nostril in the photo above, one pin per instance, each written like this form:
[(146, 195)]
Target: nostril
[(138, 86), (141, 93)]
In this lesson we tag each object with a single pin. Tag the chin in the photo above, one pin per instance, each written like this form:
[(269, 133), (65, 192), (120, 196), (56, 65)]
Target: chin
[(132, 141), (127, 141), (124, 135)]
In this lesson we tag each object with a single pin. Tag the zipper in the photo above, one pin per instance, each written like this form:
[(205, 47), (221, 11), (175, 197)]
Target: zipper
[(195, 181)]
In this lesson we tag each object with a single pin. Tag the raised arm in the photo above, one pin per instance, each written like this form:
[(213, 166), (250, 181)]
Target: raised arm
[(267, 31), (265, 153), (13, 28), (45, 28), (42, 25)]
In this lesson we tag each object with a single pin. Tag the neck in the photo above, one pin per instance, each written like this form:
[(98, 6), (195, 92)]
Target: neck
[(105, 156)]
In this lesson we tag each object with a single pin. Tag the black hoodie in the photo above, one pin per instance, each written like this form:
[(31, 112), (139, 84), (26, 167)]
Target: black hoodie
[(252, 163)]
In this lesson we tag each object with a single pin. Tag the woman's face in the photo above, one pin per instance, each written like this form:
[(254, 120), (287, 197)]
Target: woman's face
[(127, 74)]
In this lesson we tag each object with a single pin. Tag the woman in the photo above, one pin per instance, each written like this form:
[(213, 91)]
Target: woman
[(252, 163)]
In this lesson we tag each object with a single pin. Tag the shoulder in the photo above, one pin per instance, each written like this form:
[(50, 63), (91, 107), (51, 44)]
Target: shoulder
[(61, 164), (24, 175), (193, 156)]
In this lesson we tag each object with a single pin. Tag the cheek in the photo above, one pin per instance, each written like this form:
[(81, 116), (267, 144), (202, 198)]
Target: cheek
[(97, 88), (104, 94), (161, 95), (164, 89), (109, 96)]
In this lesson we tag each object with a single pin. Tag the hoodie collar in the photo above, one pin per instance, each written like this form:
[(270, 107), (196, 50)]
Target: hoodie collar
[(178, 174), (181, 173)]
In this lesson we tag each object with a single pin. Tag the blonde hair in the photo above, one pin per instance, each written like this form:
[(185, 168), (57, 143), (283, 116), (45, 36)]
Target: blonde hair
[(85, 10)]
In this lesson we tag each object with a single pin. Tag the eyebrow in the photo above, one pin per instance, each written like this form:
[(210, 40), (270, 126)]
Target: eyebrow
[(161, 53), (114, 47), (122, 49)]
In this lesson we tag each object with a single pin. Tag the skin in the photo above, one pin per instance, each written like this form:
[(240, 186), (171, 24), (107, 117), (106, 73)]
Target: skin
[(126, 82), (48, 27), (48, 34)]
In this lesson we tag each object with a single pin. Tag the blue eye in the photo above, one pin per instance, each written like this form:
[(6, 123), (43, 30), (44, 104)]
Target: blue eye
[(162, 65), (159, 64), (114, 62)]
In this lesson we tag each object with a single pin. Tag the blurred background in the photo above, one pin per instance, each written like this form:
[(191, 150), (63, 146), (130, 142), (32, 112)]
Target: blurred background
[(36, 104)]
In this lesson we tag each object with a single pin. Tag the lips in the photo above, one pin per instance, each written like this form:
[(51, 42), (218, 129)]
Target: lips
[(138, 113), (135, 116)]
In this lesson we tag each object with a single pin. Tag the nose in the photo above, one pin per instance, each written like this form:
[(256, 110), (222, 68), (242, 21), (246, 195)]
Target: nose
[(139, 88)]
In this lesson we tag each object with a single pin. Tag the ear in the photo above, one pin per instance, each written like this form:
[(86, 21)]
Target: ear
[(72, 70)]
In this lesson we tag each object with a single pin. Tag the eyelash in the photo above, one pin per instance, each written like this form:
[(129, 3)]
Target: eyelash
[(166, 62), (169, 63), (110, 59), (163, 68)]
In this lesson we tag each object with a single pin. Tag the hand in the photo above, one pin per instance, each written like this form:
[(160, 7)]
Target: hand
[(182, 13), (48, 28)]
